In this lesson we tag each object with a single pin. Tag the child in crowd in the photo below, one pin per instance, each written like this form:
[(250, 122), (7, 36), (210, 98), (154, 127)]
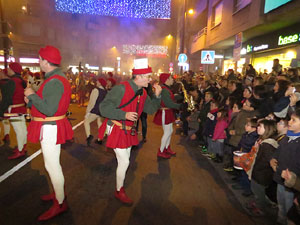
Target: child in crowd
[(247, 141), (219, 134), (287, 157), (193, 123), (282, 128), (202, 118), (209, 128), (228, 163), (262, 174)]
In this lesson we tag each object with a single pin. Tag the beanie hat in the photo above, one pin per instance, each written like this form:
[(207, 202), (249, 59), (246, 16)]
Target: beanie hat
[(249, 89), (142, 71), (163, 77), (16, 67), (51, 54), (102, 82), (112, 80)]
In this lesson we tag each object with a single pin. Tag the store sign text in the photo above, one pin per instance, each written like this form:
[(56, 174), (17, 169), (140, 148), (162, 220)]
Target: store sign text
[(250, 48), (284, 40)]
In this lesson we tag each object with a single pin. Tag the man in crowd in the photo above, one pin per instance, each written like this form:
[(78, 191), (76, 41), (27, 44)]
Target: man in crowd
[(49, 124), (122, 107), (13, 103)]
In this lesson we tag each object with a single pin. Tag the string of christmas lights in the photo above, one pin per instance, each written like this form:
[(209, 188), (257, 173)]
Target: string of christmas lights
[(155, 9), (154, 50)]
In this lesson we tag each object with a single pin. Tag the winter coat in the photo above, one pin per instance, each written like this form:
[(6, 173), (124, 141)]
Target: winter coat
[(239, 126), (219, 132), (262, 172), (247, 141)]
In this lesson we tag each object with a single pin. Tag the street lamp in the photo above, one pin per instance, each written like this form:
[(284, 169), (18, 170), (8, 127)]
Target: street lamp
[(182, 43)]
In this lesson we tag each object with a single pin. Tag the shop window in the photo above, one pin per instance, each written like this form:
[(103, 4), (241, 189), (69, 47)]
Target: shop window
[(240, 4), (217, 14)]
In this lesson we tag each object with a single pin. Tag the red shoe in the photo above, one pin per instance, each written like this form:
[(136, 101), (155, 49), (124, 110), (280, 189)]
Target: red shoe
[(23, 150), (6, 138), (48, 197), (121, 195), (17, 154), (55, 210), (163, 154), (169, 151)]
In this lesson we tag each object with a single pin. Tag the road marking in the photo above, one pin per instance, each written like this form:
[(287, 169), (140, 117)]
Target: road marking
[(27, 160)]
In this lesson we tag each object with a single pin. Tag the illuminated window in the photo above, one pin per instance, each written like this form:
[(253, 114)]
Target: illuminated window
[(217, 14), (239, 4)]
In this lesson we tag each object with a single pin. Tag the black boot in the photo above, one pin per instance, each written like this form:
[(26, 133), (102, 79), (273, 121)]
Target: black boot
[(89, 140), (99, 142)]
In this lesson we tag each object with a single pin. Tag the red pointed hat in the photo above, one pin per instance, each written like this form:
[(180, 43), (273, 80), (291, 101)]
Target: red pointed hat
[(163, 77), (102, 82), (16, 67), (51, 54), (142, 71)]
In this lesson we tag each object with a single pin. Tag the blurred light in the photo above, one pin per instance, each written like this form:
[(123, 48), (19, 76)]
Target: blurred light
[(169, 37), (219, 56), (118, 58), (29, 60), (124, 73), (290, 54), (10, 59), (87, 65), (93, 67), (114, 47), (191, 11), (24, 8), (119, 70), (157, 9), (108, 69), (146, 50)]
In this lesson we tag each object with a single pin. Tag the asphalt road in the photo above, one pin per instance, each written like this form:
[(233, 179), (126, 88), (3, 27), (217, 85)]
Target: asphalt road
[(187, 189)]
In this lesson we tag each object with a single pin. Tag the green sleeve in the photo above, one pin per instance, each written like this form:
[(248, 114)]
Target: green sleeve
[(167, 100), (109, 106), (52, 92), (7, 91), (151, 105)]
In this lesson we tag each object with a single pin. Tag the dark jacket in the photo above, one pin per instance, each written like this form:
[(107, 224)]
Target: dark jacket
[(247, 141), (210, 123), (262, 172), (287, 155)]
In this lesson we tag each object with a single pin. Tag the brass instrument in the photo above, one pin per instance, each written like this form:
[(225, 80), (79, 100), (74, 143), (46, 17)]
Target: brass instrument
[(188, 99)]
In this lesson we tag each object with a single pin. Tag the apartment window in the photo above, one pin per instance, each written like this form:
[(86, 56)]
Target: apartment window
[(239, 4), (217, 14), (31, 29)]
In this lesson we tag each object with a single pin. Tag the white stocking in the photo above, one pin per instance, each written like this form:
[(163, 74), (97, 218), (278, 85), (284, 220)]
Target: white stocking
[(168, 129), (6, 126), (51, 154), (123, 155), (19, 126)]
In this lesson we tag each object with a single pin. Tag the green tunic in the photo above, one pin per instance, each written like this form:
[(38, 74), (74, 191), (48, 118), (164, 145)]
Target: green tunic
[(109, 106)]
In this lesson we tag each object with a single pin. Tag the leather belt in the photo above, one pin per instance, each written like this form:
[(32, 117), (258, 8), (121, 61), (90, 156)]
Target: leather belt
[(164, 108), (48, 119), (117, 123), (16, 105)]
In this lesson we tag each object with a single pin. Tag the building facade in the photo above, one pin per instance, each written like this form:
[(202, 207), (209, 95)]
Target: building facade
[(267, 29)]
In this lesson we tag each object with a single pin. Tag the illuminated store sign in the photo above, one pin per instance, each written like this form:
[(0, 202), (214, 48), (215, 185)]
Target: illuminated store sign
[(251, 48), (273, 4), (284, 40)]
